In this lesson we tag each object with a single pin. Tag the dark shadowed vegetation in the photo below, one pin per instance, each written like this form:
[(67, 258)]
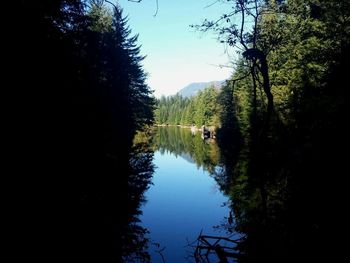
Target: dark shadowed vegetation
[(84, 96), (82, 114), (286, 104)]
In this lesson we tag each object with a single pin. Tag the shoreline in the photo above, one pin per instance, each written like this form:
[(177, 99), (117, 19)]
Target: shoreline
[(210, 128)]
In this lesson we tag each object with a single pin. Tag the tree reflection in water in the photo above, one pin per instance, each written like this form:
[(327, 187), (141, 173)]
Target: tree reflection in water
[(272, 218), (279, 198), (133, 239), (181, 142)]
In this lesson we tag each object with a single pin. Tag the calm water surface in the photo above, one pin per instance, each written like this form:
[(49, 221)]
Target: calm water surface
[(184, 199), (183, 187)]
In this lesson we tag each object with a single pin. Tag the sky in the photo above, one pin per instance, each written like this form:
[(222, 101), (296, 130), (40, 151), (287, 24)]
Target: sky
[(177, 55)]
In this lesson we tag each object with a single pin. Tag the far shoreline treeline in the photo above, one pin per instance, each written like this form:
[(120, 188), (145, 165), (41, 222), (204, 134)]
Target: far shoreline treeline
[(199, 110)]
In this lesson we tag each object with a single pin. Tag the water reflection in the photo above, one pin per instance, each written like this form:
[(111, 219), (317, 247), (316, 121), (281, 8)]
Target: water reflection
[(190, 146), (133, 239), (279, 208), (185, 198), (201, 195)]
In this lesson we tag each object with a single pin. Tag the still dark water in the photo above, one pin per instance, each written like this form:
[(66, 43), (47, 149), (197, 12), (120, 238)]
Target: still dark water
[(184, 199), (182, 187)]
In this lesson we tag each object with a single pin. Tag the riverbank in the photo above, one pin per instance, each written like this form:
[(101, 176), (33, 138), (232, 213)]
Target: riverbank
[(208, 132), (209, 128)]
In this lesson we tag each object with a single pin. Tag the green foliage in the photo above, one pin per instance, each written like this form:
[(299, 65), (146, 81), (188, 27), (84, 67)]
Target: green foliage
[(101, 17), (199, 110), (280, 173), (182, 142)]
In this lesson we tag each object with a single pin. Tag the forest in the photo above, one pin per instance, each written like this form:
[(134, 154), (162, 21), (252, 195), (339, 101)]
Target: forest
[(282, 118), (198, 110), (284, 130), (81, 96)]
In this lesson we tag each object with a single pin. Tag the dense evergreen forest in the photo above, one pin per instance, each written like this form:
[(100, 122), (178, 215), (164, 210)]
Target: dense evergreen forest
[(198, 110), (83, 97), (284, 131)]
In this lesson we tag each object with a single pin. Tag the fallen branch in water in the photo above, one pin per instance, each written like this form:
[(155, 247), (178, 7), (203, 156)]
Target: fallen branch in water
[(214, 245)]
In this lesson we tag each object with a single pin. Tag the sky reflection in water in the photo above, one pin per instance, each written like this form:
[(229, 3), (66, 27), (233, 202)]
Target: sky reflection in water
[(183, 201)]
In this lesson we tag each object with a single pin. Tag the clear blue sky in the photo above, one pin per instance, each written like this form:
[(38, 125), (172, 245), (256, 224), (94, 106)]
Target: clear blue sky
[(176, 54)]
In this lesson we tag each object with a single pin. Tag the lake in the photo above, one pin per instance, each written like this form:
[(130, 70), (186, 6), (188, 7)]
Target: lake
[(184, 199)]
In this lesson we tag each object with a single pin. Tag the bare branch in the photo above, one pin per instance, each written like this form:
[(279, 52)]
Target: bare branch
[(111, 4), (241, 3), (215, 23), (240, 78), (212, 4), (161, 254), (155, 14), (255, 24)]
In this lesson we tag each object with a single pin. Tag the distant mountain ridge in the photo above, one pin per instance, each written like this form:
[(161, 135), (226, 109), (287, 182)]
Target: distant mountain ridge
[(193, 88)]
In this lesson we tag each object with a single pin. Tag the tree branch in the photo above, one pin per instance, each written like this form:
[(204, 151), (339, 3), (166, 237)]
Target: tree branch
[(212, 4), (255, 24), (111, 4), (155, 14), (241, 3), (238, 79)]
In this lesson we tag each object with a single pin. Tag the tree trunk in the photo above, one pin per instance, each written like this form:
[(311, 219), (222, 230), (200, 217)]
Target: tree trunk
[(253, 54), (266, 86)]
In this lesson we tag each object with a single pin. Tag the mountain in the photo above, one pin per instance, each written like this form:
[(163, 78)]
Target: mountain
[(193, 88)]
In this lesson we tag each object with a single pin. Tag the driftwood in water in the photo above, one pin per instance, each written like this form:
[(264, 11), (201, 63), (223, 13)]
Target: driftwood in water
[(207, 245)]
